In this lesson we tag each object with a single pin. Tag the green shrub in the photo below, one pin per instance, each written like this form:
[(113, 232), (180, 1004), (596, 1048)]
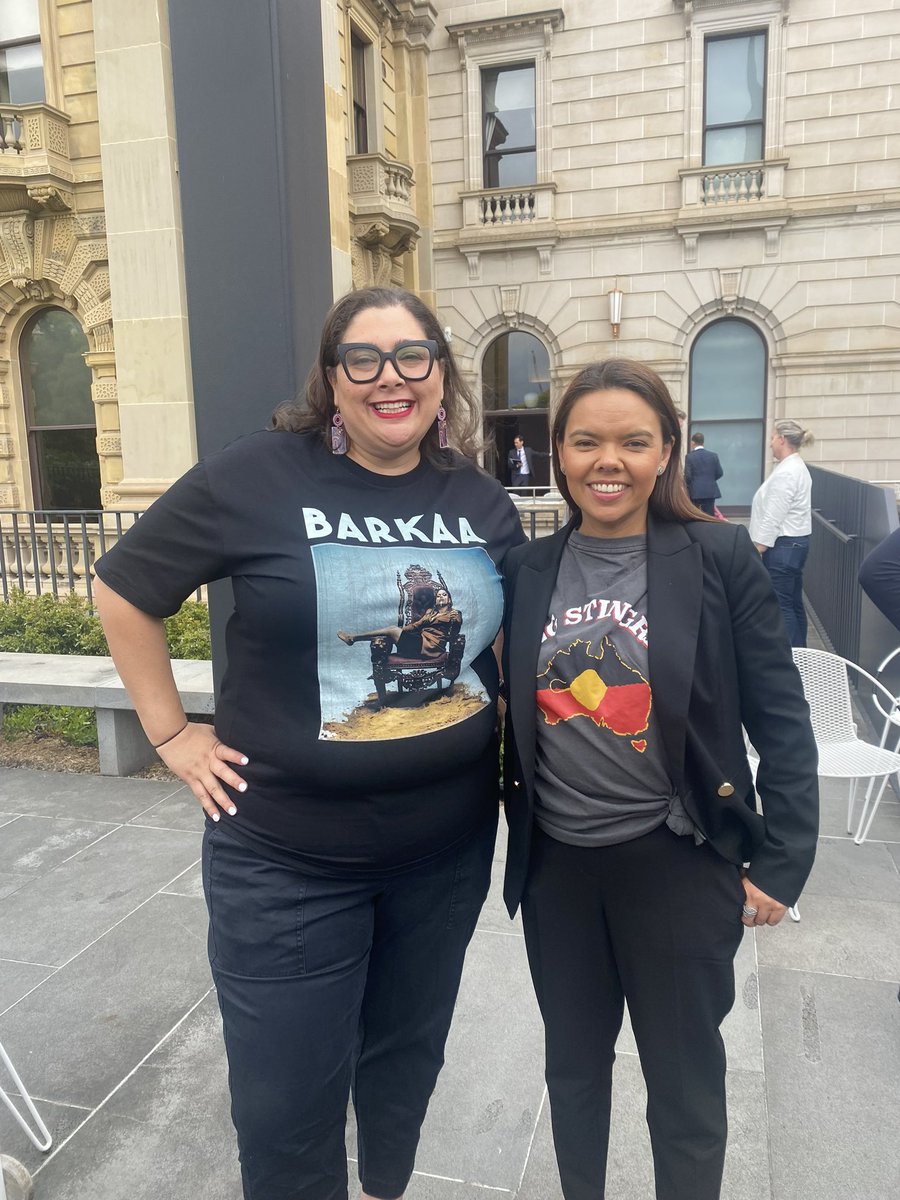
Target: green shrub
[(67, 625)]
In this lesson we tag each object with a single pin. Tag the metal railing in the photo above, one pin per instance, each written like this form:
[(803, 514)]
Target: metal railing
[(542, 511), (46, 550), (850, 518)]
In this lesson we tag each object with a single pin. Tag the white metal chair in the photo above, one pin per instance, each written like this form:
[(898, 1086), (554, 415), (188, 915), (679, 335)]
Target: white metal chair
[(15, 1181), (843, 754)]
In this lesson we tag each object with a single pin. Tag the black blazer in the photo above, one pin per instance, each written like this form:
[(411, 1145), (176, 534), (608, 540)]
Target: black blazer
[(701, 470), (718, 657), (513, 461)]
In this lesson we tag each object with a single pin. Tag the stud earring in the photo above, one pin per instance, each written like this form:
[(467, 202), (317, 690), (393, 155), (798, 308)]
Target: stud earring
[(443, 440), (659, 470), (338, 434)]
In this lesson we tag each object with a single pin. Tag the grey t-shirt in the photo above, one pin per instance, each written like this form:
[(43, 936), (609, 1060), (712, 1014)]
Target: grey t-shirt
[(601, 774)]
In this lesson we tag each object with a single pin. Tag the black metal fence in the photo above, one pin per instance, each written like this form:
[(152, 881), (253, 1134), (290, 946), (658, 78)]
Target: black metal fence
[(54, 550), (850, 518)]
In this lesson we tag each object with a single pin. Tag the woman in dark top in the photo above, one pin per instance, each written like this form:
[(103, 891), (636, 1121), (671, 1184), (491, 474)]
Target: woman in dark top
[(638, 641), (343, 876)]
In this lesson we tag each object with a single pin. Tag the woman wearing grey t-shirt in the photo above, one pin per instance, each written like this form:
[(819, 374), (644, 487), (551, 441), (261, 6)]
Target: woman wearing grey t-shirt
[(638, 642)]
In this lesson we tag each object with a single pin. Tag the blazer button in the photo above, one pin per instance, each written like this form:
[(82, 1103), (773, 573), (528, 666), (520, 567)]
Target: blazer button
[(725, 789), (516, 783)]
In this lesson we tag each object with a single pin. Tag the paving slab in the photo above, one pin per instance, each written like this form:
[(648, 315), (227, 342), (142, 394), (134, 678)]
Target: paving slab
[(86, 797), (12, 883), (79, 1033), (630, 1165), (833, 818), (56, 915), (188, 883), (832, 1066), (859, 938), (482, 1115), (33, 845), (166, 1131), (843, 870), (177, 811), (60, 1119), (17, 979)]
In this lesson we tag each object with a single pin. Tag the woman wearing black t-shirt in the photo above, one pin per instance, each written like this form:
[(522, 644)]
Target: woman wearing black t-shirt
[(349, 834), (638, 641)]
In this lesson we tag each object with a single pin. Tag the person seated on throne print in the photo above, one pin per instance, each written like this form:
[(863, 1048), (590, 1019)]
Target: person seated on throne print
[(426, 637)]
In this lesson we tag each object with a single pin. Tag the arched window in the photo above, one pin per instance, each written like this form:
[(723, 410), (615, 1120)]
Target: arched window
[(62, 429), (515, 377), (728, 404)]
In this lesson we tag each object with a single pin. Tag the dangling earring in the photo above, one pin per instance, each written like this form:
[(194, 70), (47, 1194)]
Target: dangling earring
[(338, 434), (443, 441)]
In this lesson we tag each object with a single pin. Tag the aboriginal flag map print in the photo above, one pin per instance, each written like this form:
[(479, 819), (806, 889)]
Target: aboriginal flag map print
[(588, 679)]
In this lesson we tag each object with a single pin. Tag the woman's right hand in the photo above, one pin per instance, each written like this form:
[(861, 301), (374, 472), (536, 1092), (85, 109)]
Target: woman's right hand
[(198, 757)]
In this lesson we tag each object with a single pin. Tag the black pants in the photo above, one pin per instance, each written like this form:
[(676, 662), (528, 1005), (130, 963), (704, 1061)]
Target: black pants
[(785, 562), (330, 984), (655, 921)]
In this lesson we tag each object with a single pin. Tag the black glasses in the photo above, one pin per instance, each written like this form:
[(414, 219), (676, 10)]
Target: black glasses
[(363, 363)]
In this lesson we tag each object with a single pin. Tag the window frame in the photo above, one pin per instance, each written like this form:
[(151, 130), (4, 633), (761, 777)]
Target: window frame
[(717, 19), (486, 154), (710, 39), (33, 430), (359, 74), (506, 42)]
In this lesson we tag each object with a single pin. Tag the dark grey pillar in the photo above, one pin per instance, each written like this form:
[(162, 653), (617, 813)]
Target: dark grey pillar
[(250, 127)]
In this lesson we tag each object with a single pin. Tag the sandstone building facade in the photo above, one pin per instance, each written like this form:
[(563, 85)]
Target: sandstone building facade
[(712, 186), (726, 173)]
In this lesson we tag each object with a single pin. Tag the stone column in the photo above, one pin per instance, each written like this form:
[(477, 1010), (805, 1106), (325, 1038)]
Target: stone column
[(146, 259), (104, 393)]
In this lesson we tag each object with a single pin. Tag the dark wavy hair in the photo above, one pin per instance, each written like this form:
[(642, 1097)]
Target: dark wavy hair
[(669, 499), (313, 411)]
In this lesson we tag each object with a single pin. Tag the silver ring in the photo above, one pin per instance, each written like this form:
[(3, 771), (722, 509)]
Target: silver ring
[(750, 912)]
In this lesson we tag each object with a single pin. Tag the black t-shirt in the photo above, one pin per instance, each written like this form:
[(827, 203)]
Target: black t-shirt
[(314, 544)]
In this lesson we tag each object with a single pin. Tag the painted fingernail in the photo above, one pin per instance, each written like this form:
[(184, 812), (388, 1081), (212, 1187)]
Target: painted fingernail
[(244, 760), (232, 811), (242, 787), (215, 816)]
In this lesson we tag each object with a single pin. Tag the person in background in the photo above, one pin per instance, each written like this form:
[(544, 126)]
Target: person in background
[(520, 462), (702, 470), (781, 524), (344, 871), (638, 642)]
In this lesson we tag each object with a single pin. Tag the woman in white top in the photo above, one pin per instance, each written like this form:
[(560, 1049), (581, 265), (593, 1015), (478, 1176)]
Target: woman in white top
[(781, 522)]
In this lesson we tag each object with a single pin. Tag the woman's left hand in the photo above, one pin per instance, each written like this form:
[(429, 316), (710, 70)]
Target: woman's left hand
[(768, 910)]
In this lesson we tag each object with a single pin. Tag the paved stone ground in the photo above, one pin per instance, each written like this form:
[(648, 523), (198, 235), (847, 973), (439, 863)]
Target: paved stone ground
[(106, 1009)]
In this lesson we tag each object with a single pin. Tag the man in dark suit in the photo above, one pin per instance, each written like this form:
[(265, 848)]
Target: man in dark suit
[(519, 462), (701, 470)]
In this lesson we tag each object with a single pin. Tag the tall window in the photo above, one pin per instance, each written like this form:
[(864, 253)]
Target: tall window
[(728, 403), (61, 425), (507, 101), (21, 62), (515, 375), (359, 51), (734, 99)]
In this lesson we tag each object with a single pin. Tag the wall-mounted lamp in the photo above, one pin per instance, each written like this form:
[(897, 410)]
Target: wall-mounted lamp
[(615, 310)]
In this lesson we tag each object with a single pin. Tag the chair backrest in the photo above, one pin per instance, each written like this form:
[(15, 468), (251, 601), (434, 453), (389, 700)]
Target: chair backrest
[(826, 687)]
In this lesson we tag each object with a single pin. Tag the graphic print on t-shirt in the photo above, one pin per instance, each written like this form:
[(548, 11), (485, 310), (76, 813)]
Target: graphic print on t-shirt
[(398, 631), (588, 680)]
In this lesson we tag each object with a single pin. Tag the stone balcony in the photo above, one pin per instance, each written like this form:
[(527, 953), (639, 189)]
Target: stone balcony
[(383, 222), (508, 218), (35, 170), (739, 195), (381, 189)]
